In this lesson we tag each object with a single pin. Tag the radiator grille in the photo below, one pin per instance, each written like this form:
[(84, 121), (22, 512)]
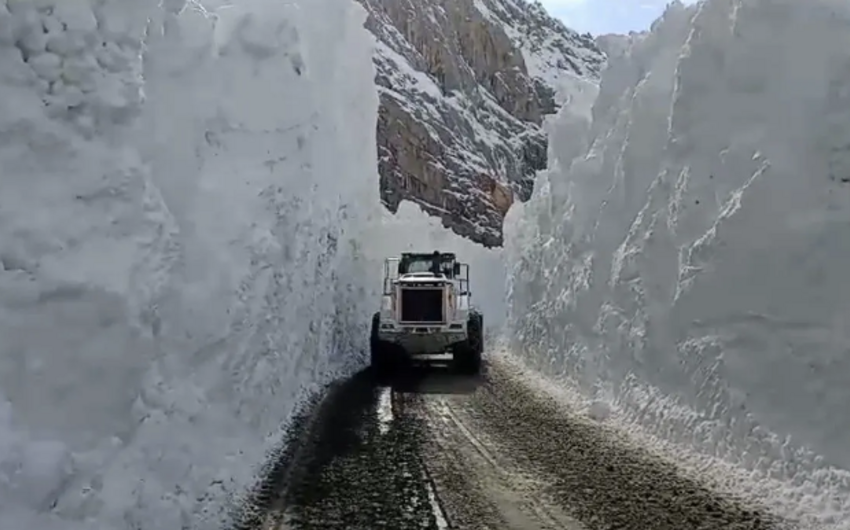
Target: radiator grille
[(422, 305)]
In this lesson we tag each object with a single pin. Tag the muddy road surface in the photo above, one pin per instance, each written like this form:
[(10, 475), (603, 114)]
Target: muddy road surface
[(432, 450)]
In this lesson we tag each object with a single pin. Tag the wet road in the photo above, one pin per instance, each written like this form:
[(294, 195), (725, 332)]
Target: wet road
[(432, 450)]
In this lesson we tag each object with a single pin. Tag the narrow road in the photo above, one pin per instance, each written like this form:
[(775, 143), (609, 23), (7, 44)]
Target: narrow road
[(433, 450)]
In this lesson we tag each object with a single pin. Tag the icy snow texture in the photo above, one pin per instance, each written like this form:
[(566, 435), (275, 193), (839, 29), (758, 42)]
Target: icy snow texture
[(688, 262), (183, 196)]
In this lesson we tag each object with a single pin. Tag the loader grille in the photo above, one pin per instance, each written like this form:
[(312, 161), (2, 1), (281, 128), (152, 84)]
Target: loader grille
[(422, 305)]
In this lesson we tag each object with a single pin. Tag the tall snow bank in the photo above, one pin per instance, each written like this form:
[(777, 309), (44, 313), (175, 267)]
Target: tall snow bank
[(688, 263), (183, 192)]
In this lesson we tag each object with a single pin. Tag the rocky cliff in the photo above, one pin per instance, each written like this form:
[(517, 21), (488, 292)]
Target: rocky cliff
[(464, 86)]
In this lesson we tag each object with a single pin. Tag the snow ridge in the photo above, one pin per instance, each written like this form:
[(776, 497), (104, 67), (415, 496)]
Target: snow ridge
[(686, 263)]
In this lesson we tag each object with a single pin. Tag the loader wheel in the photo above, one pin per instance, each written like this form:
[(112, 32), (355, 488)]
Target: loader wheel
[(468, 358), (475, 326), (380, 353)]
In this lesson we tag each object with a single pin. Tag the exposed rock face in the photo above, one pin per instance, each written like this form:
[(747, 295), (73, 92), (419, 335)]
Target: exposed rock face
[(464, 86)]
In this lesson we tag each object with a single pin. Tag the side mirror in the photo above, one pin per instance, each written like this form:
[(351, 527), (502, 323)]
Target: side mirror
[(456, 269)]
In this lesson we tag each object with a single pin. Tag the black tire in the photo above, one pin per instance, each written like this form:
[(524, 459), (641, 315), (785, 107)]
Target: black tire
[(475, 327), (468, 355), (380, 356)]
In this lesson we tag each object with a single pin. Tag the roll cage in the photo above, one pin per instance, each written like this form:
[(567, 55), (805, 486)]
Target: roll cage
[(443, 264)]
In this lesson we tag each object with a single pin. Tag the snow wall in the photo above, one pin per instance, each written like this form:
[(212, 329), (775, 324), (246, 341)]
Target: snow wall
[(184, 194), (687, 261)]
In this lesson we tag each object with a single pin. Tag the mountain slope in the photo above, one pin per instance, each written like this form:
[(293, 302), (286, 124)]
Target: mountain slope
[(464, 86)]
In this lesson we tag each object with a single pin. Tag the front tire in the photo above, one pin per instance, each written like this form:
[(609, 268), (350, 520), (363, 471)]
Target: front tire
[(468, 358), (380, 354)]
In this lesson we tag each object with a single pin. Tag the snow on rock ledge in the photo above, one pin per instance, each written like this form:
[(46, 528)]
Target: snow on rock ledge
[(691, 264), (464, 88), (182, 192)]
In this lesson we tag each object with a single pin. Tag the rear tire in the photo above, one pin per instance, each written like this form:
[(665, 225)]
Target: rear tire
[(380, 352), (468, 355)]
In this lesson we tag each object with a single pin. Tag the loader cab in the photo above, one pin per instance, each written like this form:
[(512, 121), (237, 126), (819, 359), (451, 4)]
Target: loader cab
[(443, 264), (437, 263)]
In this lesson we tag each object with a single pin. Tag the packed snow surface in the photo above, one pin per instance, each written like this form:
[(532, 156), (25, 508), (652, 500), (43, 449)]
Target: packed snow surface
[(687, 263), (184, 193)]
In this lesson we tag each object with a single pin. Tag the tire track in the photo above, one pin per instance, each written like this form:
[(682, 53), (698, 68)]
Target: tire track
[(360, 466), (481, 486), (599, 480), (433, 451)]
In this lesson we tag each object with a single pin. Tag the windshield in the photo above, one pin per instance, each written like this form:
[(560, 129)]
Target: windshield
[(419, 265)]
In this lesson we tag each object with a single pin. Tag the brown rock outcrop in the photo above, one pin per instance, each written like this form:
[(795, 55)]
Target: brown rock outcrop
[(459, 126)]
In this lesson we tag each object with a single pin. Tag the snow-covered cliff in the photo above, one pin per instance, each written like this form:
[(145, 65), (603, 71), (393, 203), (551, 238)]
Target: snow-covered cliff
[(688, 262), (179, 256), (464, 86)]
